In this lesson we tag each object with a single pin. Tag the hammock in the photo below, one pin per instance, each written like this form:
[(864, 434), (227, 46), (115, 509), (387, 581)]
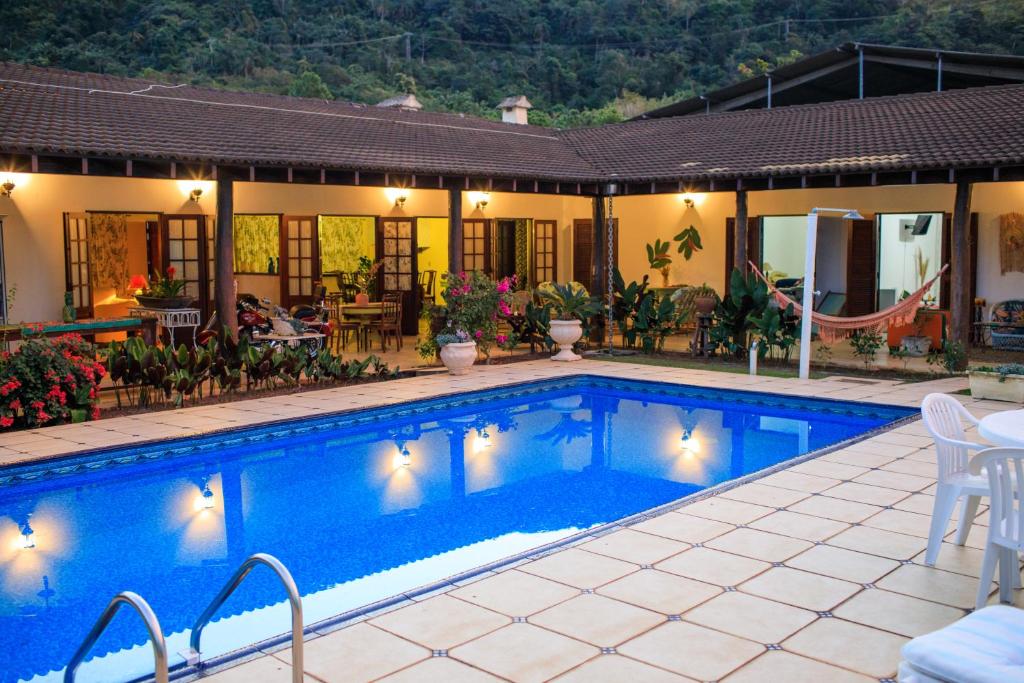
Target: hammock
[(832, 328)]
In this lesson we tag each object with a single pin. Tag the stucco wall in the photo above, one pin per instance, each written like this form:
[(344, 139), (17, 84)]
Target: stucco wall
[(644, 218), (34, 238)]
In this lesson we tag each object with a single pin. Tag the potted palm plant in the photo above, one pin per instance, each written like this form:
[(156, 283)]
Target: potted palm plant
[(570, 307)]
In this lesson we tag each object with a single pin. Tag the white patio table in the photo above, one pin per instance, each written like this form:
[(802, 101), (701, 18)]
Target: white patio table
[(1005, 428)]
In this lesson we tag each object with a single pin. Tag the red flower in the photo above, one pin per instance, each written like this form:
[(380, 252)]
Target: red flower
[(137, 282), (170, 272), (6, 421), (15, 404), (95, 413)]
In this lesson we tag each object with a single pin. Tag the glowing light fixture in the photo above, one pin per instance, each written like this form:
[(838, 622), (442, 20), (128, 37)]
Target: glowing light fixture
[(404, 457), (480, 199), (482, 441), (399, 195), (7, 187), (205, 500), (28, 539), (689, 444), (195, 194)]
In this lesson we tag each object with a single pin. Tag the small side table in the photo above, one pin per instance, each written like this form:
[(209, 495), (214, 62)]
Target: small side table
[(701, 345), (170, 318)]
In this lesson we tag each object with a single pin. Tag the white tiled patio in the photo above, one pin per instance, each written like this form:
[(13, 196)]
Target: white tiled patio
[(812, 573)]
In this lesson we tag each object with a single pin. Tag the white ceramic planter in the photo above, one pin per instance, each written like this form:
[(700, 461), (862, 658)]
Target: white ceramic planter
[(987, 385), (566, 333), (458, 357)]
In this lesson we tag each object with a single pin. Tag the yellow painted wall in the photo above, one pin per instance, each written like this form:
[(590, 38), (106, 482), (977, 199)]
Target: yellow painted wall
[(644, 218)]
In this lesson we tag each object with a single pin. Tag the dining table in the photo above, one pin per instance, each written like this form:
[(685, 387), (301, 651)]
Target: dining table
[(366, 314), (1005, 428)]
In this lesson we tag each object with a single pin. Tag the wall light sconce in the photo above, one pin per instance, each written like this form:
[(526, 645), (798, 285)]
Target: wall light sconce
[(7, 188), (205, 499), (688, 201), (689, 444), (27, 540), (195, 194), (400, 198), (480, 199), (692, 199), (482, 441), (404, 458)]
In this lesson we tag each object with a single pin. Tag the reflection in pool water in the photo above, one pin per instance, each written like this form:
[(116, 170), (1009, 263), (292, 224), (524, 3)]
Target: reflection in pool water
[(364, 507)]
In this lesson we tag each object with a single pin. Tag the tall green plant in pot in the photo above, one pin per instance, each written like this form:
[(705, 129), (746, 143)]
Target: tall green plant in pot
[(571, 307), (747, 301)]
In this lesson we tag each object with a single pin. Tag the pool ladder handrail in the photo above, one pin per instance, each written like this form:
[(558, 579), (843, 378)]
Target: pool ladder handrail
[(152, 625), (192, 655)]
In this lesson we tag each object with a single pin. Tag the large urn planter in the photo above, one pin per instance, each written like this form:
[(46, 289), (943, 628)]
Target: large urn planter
[(458, 357), (566, 333), (995, 386), (164, 302)]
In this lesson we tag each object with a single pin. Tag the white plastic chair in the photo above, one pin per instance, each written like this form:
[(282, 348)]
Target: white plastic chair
[(943, 418), (1005, 468)]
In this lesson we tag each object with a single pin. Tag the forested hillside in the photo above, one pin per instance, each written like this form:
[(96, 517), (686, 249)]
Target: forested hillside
[(579, 62)]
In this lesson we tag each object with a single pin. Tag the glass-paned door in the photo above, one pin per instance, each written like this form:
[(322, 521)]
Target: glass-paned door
[(544, 251), (476, 245), (300, 259), (76, 262), (211, 254), (396, 247), (185, 250)]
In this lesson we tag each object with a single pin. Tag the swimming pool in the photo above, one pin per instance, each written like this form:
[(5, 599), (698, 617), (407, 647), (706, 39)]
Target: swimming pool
[(362, 506)]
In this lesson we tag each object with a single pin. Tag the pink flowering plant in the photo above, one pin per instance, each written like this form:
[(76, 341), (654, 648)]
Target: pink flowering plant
[(473, 306), (49, 381)]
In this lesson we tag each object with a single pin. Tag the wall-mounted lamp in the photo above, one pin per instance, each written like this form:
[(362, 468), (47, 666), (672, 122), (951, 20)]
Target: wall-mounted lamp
[(7, 188), (27, 540), (482, 441), (404, 458), (205, 499), (689, 444), (688, 201), (480, 199), (692, 199), (397, 196), (195, 194)]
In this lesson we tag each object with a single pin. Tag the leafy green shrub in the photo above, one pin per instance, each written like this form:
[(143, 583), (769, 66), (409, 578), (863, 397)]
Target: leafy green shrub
[(748, 300), (1004, 370), (952, 357), (865, 345)]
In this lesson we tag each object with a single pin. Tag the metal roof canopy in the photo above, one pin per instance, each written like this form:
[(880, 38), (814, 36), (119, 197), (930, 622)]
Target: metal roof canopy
[(854, 70)]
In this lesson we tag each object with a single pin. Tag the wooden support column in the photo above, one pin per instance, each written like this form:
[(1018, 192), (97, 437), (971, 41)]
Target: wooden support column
[(224, 256), (599, 267), (960, 303), (454, 230), (739, 244)]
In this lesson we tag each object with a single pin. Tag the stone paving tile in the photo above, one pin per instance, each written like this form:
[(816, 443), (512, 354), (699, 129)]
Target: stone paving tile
[(919, 503), (933, 584), (615, 669), (852, 456), (879, 542), (441, 622), (843, 564), (895, 480), (267, 669), (515, 593), (526, 653), (791, 668), (759, 494), (849, 645), (825, 468), (634, 546), (597, 620), (439, 669), (759, 545), (903, 522), (866, 493), (726, 510), (692, 650), (835, 508), (797, 525), (899, 614), (357, 653), (660, 591), (763, 621), (796, 481), (959, 559), (800, 588), (683, 527), (713, 566), (579, 568)]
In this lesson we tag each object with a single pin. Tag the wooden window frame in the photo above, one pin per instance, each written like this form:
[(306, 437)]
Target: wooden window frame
[(284, 272), (537, 270)]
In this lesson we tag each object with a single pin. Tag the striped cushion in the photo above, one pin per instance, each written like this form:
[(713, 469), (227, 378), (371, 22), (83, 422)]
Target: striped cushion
[(986, 646)]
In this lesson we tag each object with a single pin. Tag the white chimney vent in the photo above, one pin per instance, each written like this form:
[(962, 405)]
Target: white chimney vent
[(515, 109), (404, 102)]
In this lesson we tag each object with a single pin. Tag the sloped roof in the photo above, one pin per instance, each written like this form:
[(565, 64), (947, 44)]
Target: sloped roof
[(833, 75), (978, 127), (48, 111)]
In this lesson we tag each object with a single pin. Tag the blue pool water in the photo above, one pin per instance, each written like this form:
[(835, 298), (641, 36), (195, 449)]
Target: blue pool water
[(361, 506)]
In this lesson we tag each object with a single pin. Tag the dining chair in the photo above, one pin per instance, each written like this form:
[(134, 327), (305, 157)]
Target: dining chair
[(1004, 467), (345, 327), (390, 322), (944, 419), (428, 278)]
